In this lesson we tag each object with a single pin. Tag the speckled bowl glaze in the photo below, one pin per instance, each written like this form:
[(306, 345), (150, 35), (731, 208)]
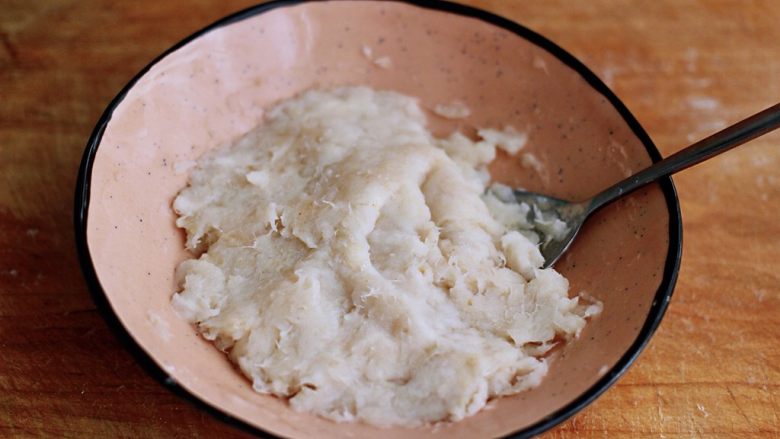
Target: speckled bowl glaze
[(212, 88)]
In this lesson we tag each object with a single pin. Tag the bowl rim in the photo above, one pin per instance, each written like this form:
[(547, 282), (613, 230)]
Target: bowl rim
[(654, 316)]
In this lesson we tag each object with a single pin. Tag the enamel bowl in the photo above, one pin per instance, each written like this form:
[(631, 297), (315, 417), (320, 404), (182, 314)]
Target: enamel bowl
[(212, 88)]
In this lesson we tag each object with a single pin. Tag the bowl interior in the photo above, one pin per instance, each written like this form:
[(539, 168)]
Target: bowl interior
[(210, 91)]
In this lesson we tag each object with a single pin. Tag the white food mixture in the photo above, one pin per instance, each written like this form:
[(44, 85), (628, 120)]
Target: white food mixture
[(352, 263)]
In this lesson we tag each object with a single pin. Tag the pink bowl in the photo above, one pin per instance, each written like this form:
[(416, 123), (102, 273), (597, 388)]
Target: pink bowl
[(210, 89)]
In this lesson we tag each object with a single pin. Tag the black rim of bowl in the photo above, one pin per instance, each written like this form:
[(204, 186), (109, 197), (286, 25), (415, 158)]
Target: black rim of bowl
[(657, 309)]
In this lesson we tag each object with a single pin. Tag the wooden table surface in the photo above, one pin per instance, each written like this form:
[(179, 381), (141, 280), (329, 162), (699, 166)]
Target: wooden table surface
[(685, 68)]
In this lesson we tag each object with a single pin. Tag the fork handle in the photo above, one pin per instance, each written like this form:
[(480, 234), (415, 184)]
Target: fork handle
[(722, 141)]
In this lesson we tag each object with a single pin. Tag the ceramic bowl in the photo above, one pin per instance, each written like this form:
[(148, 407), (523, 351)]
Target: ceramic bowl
[(211, 88)]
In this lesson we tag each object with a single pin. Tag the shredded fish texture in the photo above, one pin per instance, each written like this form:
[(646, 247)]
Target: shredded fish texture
[(354, 264)]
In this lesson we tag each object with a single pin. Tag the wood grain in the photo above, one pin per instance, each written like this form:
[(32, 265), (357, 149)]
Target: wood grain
[(684, 67)]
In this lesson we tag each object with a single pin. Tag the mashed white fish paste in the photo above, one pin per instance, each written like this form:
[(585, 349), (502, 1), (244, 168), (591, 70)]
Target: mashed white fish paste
[(350, 263)]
